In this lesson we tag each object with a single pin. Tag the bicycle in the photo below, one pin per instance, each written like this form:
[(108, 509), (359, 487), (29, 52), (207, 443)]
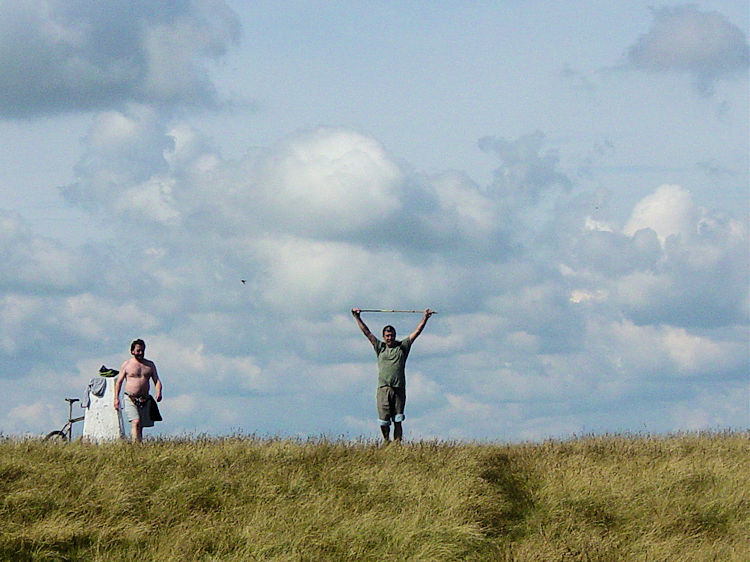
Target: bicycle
[(66, 431)]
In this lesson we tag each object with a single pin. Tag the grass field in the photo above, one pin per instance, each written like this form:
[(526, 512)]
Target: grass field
[(683, 497)]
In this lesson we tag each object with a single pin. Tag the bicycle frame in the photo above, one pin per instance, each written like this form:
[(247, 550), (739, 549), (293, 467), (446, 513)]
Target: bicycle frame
[(66, 431)]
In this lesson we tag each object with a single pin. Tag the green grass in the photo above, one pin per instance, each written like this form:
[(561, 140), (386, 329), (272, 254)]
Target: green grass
[(684, 497)]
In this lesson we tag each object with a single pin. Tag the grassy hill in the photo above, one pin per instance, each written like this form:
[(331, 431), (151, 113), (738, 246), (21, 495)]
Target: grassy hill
[(684, 497)]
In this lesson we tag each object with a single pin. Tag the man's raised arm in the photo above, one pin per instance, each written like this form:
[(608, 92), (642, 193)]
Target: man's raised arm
[(362, 326), (422, 323)]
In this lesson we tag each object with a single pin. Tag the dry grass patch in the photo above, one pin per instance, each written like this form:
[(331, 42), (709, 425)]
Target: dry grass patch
[(242, 498)]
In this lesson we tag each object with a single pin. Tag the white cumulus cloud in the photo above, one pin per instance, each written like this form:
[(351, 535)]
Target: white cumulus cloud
[(330, 180), (668, 211)]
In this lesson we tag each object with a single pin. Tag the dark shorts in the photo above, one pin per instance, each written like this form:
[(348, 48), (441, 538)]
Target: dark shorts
[(136, 410), (391, 401)]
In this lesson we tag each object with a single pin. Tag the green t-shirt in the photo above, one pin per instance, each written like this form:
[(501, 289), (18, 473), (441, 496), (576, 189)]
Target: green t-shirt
[(392, 362)]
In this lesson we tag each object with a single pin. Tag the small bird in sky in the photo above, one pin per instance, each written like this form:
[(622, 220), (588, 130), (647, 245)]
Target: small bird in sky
[(243, 281)]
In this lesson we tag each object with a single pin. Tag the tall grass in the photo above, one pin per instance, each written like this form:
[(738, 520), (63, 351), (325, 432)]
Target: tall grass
[(684, 497)]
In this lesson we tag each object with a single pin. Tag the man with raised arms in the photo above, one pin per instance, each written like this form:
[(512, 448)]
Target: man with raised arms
[(391, 354), (137, 373)]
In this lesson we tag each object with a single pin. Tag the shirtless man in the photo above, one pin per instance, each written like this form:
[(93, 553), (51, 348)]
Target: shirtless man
[(137, 373)]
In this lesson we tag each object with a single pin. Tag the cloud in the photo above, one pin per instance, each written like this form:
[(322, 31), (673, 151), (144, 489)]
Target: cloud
[(524, 167), (564, 305), (676, 262), (551, 312), (542, 310), (462, 209), (311, 275), (329, 180), (696, 354), (73, 55), (711, 409), (314, 222), (125, 168), (230, 374), (683, 39), (701, 276), (644, 351), (23, 416), (576, 78), (37, 329), (34, 264), (669, 211), (323, 188)]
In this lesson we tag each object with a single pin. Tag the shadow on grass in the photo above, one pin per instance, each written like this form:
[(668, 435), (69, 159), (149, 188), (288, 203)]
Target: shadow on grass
[(509, 500)]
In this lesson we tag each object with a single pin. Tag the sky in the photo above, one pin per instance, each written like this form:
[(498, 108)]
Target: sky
[(566, 184)]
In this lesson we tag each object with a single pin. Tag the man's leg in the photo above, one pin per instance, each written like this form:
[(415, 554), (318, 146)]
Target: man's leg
[(384, 411), (386, 431), (399, 401), (398, 431), (136, 431)]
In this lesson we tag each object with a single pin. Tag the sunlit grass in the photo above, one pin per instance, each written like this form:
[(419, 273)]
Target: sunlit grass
[(684, 497)]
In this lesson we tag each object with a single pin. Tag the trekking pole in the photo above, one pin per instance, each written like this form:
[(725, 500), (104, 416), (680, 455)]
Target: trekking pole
[(391, 310)]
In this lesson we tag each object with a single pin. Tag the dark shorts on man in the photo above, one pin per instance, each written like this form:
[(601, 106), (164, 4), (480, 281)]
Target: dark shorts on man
[(138, 408), (391, 401)]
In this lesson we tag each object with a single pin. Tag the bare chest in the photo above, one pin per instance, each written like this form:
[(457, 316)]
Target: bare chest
[(139, 371)]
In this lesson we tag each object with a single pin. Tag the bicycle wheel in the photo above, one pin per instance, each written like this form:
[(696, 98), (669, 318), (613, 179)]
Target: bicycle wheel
[(55, 436)]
